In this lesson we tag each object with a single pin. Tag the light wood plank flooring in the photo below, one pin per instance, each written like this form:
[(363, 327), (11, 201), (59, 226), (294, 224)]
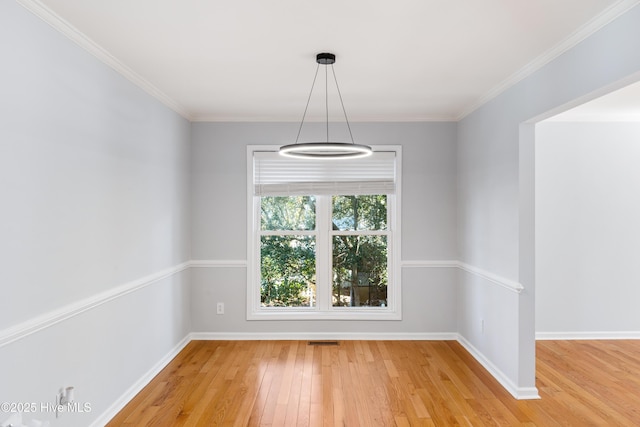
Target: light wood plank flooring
[(385, 383)]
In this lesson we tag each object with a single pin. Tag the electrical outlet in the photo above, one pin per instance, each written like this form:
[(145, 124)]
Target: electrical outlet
[(220, 308), (482, 325)]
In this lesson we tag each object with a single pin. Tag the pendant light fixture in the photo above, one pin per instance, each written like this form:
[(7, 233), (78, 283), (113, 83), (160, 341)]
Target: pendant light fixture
[(328, 149)]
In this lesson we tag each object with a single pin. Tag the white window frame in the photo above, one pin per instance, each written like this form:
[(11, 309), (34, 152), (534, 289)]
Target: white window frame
[(324, 309)]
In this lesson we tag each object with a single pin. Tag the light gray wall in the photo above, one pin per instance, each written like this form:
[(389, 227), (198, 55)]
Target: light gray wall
[(587, 228), (94, 192), (219, 223), (496, 191)]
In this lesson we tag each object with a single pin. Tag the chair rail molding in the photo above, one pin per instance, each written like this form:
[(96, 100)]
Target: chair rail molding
[(31, 326), (53, 317), (218, 263), (492, 278)]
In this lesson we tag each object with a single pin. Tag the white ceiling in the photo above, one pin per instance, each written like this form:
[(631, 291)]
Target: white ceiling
[(253, 60)]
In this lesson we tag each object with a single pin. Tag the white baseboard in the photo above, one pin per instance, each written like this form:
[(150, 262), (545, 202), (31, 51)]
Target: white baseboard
[(594, 335), (520, 393), (345, 336), (126, 397)]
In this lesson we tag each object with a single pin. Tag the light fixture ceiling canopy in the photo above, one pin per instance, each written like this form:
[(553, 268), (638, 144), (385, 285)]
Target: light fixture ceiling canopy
[(327, 149)]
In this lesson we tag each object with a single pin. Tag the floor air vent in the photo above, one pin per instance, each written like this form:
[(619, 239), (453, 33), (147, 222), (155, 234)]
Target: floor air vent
[(323, 342)]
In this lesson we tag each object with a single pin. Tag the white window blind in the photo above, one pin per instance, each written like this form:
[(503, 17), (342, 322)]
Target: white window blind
[(276, 175)]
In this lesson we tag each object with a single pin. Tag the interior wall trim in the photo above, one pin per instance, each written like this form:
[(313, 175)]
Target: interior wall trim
[(445, 263), (218, 263), (50, 17), (215, 263), (520, 393), (617, 9), (53, 317), (320, 336), (492, 278), (135, 388), (588, 335), (605, 17)]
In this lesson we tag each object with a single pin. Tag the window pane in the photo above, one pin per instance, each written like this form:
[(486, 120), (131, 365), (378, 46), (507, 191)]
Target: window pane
[(287, 271), (359, 271), (360, 212), (288, 213)]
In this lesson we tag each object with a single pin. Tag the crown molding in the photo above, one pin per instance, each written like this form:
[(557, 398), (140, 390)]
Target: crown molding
[(361, 119), (71, 32), (60, 24), (608, 15)]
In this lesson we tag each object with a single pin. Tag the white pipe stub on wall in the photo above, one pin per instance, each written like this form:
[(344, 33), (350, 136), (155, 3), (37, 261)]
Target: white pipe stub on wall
[(15, 420)]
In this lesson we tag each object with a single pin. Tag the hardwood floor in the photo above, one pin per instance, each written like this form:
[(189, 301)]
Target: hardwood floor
[(385, 383)]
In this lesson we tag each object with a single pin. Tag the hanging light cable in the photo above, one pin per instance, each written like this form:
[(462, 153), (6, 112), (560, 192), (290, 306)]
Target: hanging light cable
[(325, 150)]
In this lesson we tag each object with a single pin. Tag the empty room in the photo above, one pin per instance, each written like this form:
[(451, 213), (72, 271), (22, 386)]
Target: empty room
[(319, 213)]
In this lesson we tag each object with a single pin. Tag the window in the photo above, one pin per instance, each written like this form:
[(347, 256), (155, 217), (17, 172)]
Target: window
[(322, 239)]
